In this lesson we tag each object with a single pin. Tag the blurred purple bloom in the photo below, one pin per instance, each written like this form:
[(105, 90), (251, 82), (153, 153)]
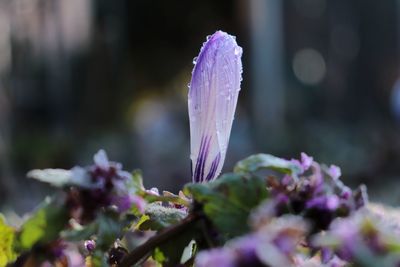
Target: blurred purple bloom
[(324, 202), (216, 258), (332, 202), (124, 203), (361, 196), (101, 160), (306, 161), (273, 244), (334, 171), (284, 243), (347, 233), (213, 94), (346, 192), (100, 185), (139, 202), (298, 163), (286, 180), (337, 262), (282, 199), (326, 254)]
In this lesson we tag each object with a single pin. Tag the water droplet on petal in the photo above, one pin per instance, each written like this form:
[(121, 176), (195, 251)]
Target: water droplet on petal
[(195, 60)]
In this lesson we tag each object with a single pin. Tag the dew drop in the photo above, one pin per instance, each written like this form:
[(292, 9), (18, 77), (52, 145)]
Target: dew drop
[(237, 51), (195, 60)]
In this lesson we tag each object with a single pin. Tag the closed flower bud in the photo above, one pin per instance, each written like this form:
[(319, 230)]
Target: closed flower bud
[(213, 94)]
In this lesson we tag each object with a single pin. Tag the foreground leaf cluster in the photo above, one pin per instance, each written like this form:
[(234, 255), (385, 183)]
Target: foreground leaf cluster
[(268, 212)]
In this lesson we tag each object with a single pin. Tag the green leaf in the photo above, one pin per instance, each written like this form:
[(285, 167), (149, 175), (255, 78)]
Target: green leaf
[(54, 177), (266, 161), (136, 183), (173, 249), (228, 200), (110, 226), (86, 232), (98, 259), (166, 198), (44, 225), (142, 219), (7, 235), (189, 251), (158, 255), (160, 217), (77, 176)]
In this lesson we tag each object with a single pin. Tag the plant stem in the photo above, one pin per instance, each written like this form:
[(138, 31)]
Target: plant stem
[(138, 253)]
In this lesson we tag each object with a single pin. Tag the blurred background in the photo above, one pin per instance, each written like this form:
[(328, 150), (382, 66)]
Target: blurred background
[(76, 76)]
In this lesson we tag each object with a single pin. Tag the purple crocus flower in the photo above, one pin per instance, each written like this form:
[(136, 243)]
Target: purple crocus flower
[(213, 94)]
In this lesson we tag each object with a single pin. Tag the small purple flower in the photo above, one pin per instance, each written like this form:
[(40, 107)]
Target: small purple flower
[(332, 202), (324, 202), (346, 192), (90, 245), (213, 94), (306, 161), (334, 171)]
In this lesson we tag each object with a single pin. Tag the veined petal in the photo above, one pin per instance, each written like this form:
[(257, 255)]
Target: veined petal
[(213, 94)]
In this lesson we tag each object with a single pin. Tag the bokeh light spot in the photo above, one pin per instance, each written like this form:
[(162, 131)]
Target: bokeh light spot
[(309, 66)]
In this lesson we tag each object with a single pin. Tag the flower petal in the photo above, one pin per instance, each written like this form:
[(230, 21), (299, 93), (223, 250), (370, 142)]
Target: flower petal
[(212, 99)]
